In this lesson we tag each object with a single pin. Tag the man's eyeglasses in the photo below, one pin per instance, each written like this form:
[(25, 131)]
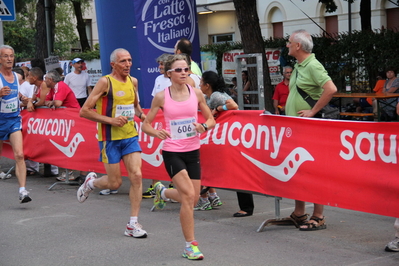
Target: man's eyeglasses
[(178, 70), (8, 56), (287, 72)]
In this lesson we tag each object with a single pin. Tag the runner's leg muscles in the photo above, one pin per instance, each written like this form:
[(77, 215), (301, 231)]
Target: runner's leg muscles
[(132, 163), (189, 196), (112, 180), (17, 148)]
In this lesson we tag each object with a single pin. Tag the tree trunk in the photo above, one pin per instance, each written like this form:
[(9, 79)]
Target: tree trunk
[(41, 37), (81, 26), (365, 14), (41, 34), (52, 23), (252, 41)]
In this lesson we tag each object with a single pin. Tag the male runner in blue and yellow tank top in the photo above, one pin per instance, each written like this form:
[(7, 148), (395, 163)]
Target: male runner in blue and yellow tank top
[(115, 99)]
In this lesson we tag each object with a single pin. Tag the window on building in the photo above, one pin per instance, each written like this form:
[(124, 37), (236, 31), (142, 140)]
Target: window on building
[(393, 19), (332, 25), (276, 19), (89, 32), (278, 31), (222, 38)]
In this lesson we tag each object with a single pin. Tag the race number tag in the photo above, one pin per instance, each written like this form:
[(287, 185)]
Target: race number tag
[(9, 106), (125, 110), (182, 128)]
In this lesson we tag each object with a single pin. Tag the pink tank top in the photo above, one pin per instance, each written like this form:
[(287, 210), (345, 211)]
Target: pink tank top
[(178, 119)]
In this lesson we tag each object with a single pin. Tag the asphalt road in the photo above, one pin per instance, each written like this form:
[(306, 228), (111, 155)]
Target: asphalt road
[(54, 229)]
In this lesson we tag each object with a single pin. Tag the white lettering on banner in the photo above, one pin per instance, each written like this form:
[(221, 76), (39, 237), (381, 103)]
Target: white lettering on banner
[(288, 168), (155, 158), (153, 70), (56, 127), (175, 8), (166, 21), (69, 150), (47, 127), (369, 153), (172, 34), (165, 24), (249, 136)]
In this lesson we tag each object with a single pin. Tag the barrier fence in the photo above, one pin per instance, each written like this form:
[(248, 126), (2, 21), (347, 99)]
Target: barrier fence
[(345, 164)]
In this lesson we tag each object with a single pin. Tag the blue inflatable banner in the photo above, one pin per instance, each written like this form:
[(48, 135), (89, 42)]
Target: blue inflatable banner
[(153, 28)]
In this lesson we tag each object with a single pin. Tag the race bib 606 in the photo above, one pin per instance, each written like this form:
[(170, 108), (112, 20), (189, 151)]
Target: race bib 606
[(182, 128)]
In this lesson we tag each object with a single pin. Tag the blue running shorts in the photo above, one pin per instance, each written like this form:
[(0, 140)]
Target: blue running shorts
[(8, 126), (112, 151)]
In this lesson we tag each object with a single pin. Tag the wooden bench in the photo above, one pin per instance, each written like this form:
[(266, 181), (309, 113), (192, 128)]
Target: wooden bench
[(355, 114)]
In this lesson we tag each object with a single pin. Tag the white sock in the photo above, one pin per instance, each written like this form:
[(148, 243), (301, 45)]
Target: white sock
[(21, 189), (133, 220), (213, 195), (188, 244), (204, 199), (163, 194)]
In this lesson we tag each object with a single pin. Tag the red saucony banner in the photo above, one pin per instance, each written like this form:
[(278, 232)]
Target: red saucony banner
[(346, 164)]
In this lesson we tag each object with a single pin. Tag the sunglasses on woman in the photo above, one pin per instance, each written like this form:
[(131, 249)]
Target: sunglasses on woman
[(178, 70)]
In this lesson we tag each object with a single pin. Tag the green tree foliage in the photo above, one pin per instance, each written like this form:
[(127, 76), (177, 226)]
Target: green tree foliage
[(64, 33), (20, 36), (361, 55)]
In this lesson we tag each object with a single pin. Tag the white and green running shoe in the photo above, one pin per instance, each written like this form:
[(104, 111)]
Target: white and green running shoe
[(193, 252), (215, 202), (203, 206), (159, 203)]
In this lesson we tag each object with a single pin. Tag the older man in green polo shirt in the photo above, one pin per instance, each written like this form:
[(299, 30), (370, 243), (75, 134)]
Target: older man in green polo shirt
[(310, 76)]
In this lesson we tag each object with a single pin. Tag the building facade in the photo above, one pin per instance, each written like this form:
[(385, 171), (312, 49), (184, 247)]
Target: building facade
[(217, 21)]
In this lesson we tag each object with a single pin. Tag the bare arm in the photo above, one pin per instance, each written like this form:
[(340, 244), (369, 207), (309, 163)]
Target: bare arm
[(247, 86), (44, 90), (275, 105), (329, 89), (147, 127), (230, 105), (233, 91), (206, 113), (24, 100), (57, 103), (137, 107)]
